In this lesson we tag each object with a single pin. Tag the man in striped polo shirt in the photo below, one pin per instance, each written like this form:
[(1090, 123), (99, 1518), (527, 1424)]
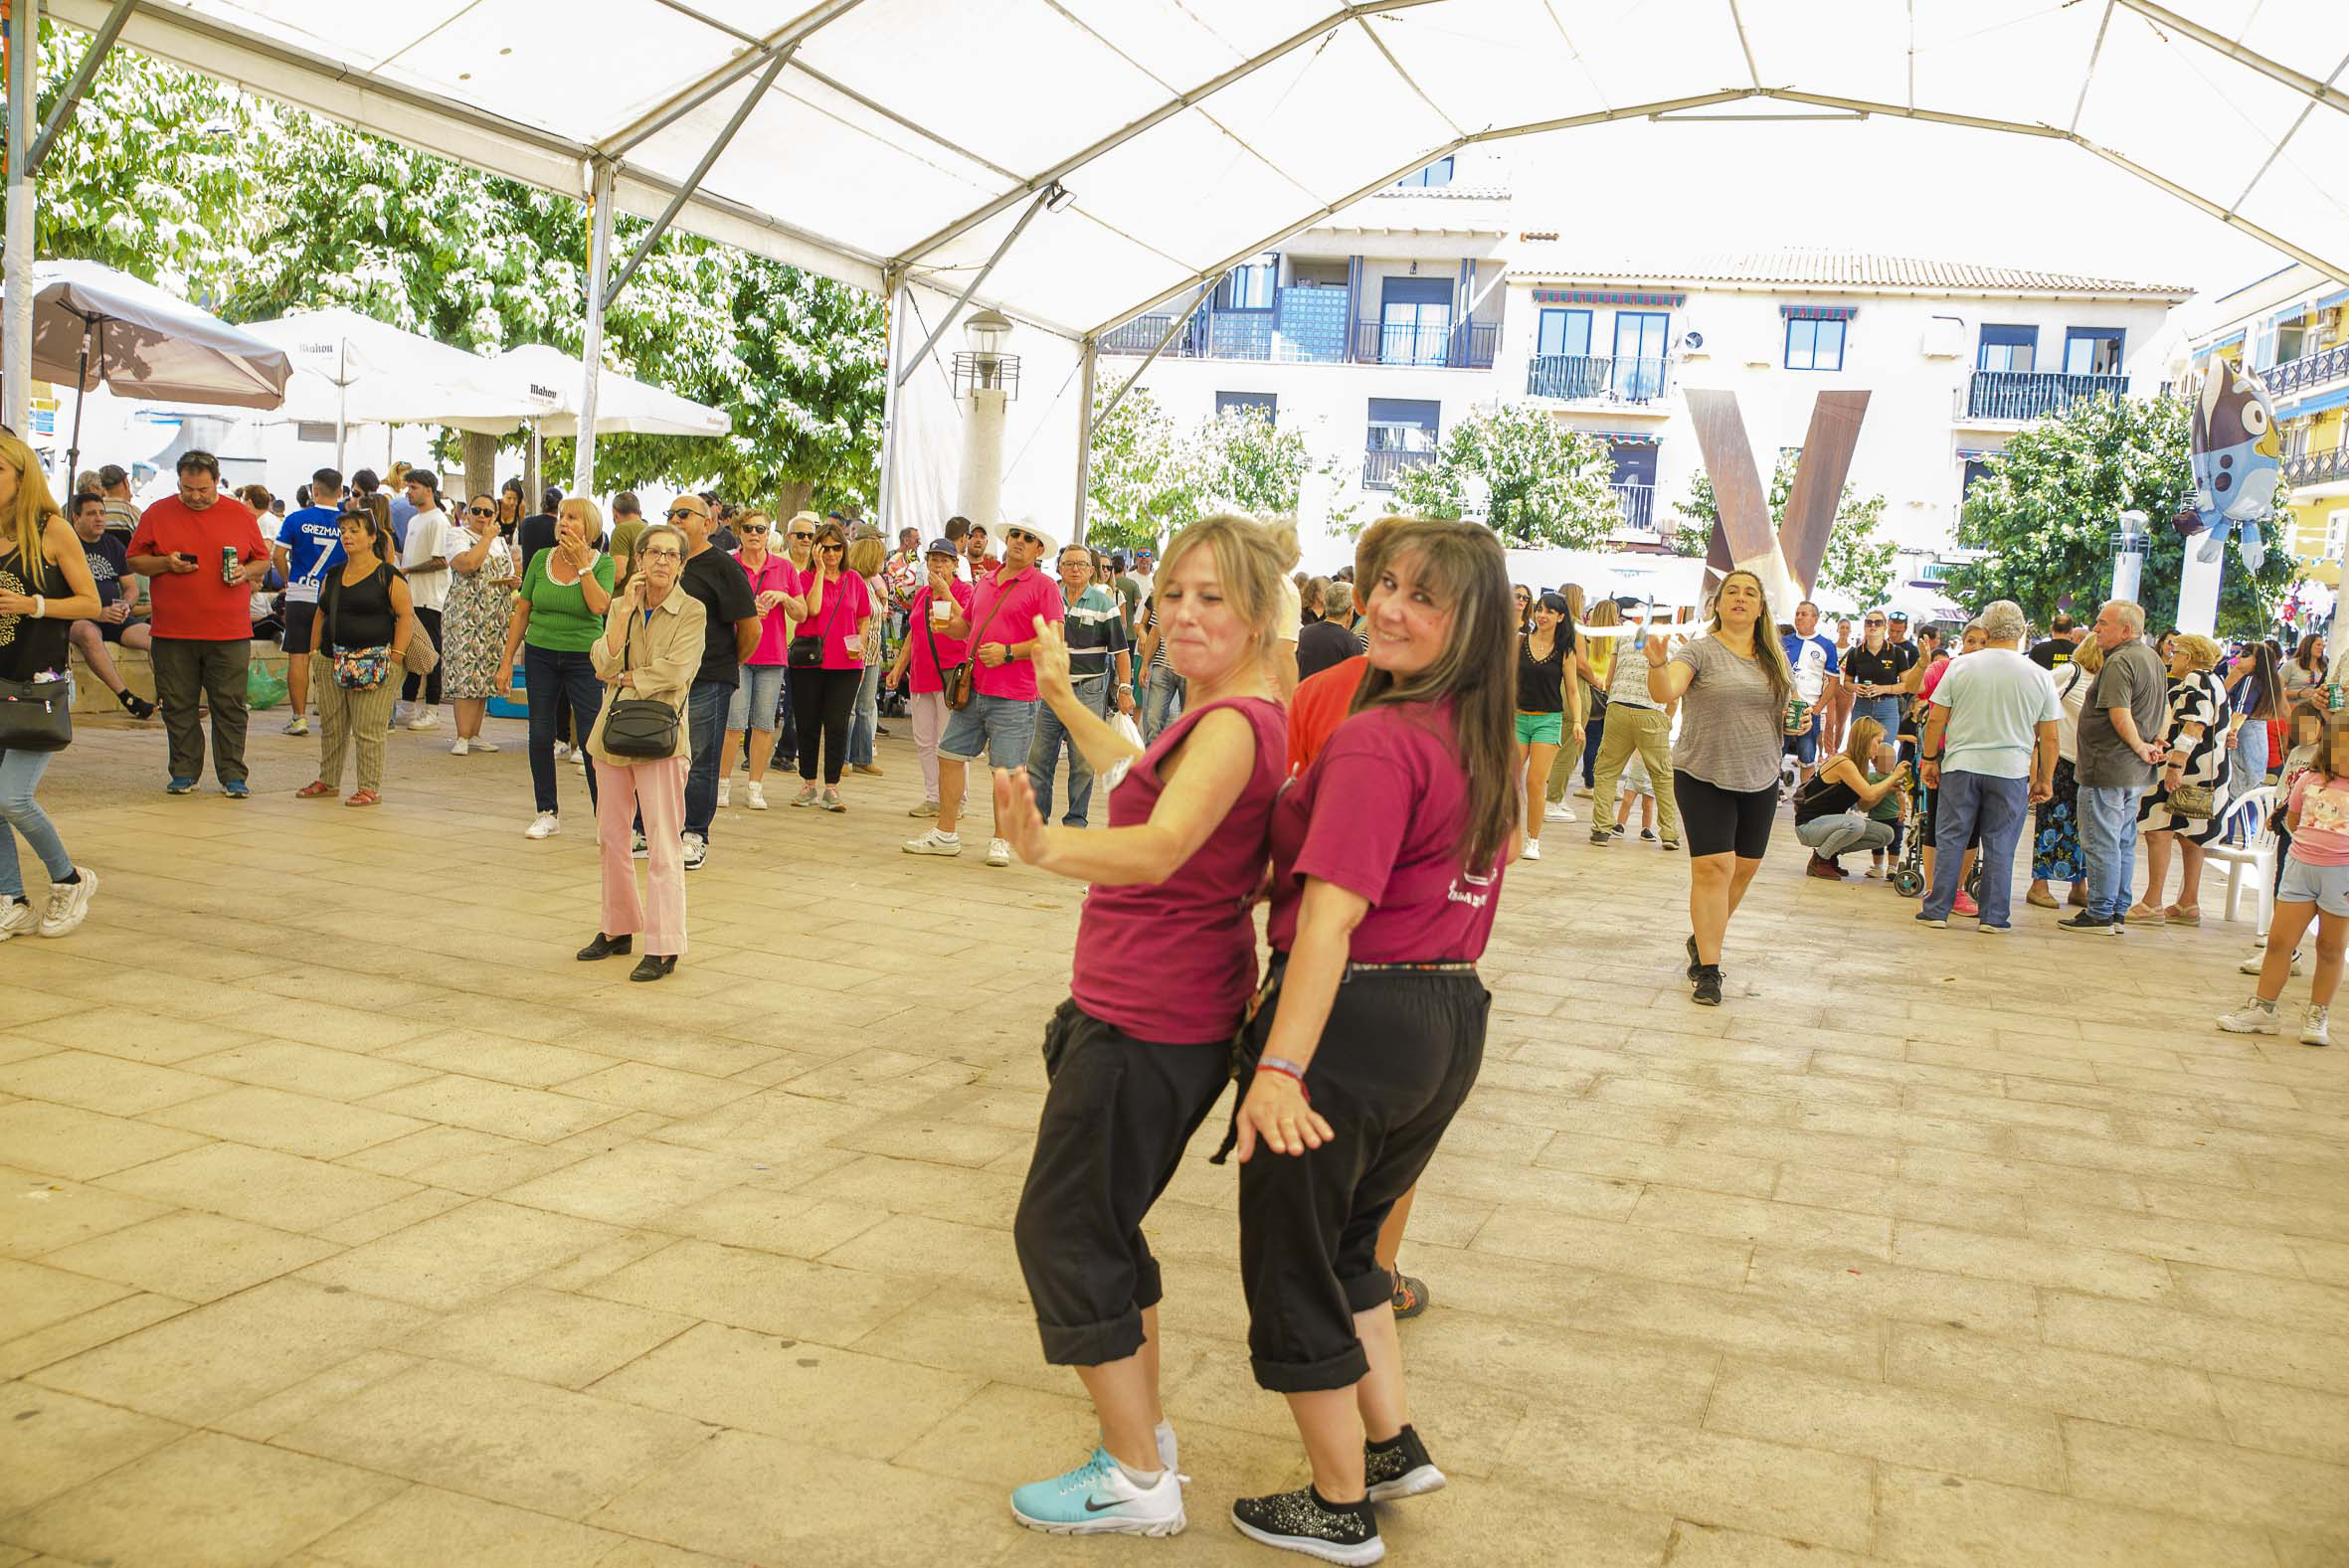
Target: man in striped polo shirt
[(1095, 627)]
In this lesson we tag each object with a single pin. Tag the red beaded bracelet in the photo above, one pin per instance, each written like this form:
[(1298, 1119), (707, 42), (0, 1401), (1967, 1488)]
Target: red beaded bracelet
[(1290, 1073)]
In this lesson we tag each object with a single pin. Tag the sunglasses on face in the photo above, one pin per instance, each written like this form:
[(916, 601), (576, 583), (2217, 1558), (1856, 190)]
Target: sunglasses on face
[(802, 534), (832, 550), (676, 512), (752, 528), (478, 511), (1874, 623)]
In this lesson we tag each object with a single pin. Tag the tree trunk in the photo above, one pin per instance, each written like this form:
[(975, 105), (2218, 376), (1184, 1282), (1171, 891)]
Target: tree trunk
[(791, 498), (481, 464)]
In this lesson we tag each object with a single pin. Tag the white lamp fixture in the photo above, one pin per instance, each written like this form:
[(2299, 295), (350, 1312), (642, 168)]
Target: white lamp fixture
[(985, 367)]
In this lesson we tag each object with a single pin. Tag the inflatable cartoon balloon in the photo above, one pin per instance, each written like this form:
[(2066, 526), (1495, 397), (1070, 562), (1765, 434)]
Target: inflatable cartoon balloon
[(2238, 462)]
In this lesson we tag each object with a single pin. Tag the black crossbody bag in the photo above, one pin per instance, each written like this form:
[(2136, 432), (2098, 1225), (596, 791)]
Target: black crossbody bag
[(641, 728)]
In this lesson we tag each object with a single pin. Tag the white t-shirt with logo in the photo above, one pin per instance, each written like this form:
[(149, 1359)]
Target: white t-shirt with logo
[(428, 535), (1812, 659)]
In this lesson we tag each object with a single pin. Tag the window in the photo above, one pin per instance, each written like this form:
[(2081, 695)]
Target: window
[(1250, 288), (1976, 472), (2092, 351), (2336, 535), (1814, 345), (2008, 348), (1264, 402), (1565, 332), (1435, 174), (1404, 425), (1642, 341), (1414, 320), (2296, 438)]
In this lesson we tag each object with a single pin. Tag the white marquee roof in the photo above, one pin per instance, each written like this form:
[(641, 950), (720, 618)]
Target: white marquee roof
[(1193, 133)]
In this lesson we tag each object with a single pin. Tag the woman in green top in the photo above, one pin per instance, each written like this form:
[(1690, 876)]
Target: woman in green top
[(558, 615)]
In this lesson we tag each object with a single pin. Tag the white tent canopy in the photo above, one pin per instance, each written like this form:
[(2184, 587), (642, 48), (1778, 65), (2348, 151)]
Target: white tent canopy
[(1080, 161), (624, 406), (351, 369), (95, 326)]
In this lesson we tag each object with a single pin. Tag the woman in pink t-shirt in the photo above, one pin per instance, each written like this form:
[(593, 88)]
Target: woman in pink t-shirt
[(2314, 887), (776, 585), (828, 664), (1386, 860), (1135, 1068), (928, 653)]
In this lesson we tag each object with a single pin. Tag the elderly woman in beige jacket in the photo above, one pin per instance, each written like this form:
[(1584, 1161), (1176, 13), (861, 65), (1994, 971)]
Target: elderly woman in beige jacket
[(650, 647)]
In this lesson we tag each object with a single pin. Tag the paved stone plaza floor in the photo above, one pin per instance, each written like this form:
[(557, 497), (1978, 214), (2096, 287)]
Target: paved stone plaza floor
[(347, 1222)]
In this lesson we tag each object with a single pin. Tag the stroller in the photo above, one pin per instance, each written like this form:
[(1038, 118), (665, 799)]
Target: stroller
[(1909, 872)]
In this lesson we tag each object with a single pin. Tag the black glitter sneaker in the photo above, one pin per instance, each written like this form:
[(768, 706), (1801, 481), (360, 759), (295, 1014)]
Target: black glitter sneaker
[(1299, 1521), (1706, 992), (1399, 1467), (1693, 964)]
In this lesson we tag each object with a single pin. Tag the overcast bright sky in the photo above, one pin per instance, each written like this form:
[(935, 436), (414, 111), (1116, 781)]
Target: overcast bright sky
[(1885, 186)]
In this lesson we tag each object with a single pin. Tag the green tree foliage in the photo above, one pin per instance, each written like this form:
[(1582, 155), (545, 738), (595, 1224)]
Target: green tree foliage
[(1548, 484), (259, 210), (1856, 562), (2047, 511), (1148, 476)]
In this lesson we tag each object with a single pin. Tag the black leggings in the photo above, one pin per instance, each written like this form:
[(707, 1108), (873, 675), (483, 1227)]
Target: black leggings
[(821, 701), (1716, 821), (1401, 1052)]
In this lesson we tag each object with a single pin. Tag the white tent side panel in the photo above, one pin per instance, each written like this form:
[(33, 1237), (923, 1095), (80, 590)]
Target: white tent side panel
[(1040, 440)]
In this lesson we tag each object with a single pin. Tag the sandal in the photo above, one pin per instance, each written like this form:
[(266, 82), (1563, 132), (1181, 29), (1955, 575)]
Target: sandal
[(363, 798), (313, 789), (2142, 911), (2174, 916)]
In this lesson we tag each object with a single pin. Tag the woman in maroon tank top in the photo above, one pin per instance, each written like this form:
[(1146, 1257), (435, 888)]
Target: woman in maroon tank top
[(1166, 962)]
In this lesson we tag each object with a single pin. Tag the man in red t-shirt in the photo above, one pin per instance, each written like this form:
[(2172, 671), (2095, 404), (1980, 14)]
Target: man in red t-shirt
[(204, 551)]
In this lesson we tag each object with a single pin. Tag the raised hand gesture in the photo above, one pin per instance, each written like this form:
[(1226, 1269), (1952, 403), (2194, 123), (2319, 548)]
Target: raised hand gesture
[(1050, 657), (1658, 645)]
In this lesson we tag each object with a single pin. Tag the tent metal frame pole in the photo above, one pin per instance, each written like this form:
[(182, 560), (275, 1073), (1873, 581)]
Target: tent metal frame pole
[(1076, 531), (80, 380), (100, 44), (692, 183), (591, 349), (964, 298), (1167, 111), (782, 44), (1157, 348), (16, 313), (2299, 82), (893, 337)]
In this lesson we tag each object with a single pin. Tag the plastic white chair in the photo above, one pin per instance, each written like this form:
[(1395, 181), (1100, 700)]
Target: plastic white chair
[(2248, 846)]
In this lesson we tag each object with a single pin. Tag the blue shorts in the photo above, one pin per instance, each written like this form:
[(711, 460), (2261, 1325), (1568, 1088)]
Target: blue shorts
[(752, 705), (2326, 887), (1002, 728), (1804, 747)]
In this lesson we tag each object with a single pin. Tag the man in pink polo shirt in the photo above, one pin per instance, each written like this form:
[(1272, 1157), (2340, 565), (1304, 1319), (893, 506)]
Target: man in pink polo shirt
[(1000, 721)]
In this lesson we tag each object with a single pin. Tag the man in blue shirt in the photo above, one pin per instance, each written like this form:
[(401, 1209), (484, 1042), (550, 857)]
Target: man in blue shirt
[(1809, 654), (309, 544)]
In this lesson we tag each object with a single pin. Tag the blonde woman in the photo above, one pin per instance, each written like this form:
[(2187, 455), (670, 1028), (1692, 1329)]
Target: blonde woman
[(866, 556), (2199, 716), (557, 617), (1833, 814), (1598, 653), (473, 621), (45, 584)]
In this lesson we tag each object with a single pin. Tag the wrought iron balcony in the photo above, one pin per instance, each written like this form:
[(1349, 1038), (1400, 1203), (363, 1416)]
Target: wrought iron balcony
[(1383, 465), (1584, 378), (1138, 336), (2308, 372), (1638, 502), (1462, 345), (2034, 395), (2330, 467)]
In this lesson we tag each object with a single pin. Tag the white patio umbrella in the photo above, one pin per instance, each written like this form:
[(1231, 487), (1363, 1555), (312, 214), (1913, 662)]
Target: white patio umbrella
[(351, 369), (93, 326), (624, 406)]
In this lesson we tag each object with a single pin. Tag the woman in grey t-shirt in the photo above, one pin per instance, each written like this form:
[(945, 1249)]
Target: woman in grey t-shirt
[(1733, 686)]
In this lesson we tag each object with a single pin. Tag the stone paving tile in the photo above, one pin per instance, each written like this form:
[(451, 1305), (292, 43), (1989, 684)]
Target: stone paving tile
[(1909, 1255)]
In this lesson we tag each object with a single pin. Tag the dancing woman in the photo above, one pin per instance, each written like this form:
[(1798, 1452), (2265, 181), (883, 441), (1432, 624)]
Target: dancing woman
[(1724, 768), (1388, 857), (1134, 1071)]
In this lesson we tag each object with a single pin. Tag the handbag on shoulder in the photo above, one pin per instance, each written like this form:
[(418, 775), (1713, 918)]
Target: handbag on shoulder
[(36, 715), (640, 728), (962, 681)]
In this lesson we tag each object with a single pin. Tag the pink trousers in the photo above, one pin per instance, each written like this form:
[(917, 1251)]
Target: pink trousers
[(657, 789), (930, 713)]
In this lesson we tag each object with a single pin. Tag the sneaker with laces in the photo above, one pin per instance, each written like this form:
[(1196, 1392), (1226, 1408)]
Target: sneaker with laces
[(1962, 905), (1399, 1467), (755, 795), (806, 794), (923, 808), (1569, 815), (831, 800), (1532, 850), (999, 851), (1647, 835), (1617, 831), (2314, 1026), (2258, 958), (1411, 1295), (482, 743), (69, 901), (2090, 924), (544, 825), (460, 747), (697, 850), (1560, 812), (1098, 1497), (1707, 990), (1602, 835), (16, 918), (299, 724), (426, 719), (2253, 1017), (725, 793), (562, 751), (1302, 1521), (935, 843)]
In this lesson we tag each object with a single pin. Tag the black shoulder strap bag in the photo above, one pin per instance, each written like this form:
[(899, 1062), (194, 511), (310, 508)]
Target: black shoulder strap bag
[(640, 728), (36, 715)]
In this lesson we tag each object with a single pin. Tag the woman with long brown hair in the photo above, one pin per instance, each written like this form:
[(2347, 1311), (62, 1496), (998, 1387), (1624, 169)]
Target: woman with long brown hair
[(45, 584), (1545, 664), (1736, 686), (1387, 860)]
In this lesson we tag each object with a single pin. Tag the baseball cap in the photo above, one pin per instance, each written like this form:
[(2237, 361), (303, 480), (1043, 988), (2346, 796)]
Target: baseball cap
[(943, 547)]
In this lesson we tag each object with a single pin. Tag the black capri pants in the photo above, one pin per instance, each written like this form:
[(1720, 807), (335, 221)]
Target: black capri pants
[(821, 701), (1116, 1120), (1718, 821), (1397, 1057)]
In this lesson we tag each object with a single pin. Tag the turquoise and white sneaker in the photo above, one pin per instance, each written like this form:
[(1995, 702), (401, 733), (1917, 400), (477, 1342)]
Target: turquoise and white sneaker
[(1096, 1498)]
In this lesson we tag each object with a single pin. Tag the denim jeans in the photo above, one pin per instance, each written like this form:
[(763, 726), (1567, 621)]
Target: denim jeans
[(2247, 759), (558, 681), (20, 777), (1997, 807), (864, 717), (1843, 832), (786, 729), (1883, 709), (2109, 838), (1044, 757), (1162, 702), (705, 713)]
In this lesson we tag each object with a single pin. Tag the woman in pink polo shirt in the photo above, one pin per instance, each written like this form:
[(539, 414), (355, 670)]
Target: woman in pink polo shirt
[(1135, 1070), (928, 653), (776, 585), (828, 664), (1386, 860)]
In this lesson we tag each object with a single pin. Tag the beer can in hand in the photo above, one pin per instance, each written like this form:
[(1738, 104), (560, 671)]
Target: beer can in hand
[(228, 563), (1798, 716)]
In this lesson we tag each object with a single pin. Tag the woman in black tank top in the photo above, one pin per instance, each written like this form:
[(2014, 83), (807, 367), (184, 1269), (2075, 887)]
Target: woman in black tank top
[(358, 642), (1542, 656), (45, 584)]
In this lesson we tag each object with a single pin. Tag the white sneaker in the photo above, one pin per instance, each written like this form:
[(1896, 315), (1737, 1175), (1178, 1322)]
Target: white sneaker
[(299, 724), (697, 850), (562, 751), (460, 747), (544, 825), (757, 793), (1097, 1498), (2253, 1017), (934, 843), (69, 901), (15, 919), (725, 793), (999, 851), (1560, 812), (482, 743), (426, 719), (1532, 850), (2259, 957), (2314, 1029)]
